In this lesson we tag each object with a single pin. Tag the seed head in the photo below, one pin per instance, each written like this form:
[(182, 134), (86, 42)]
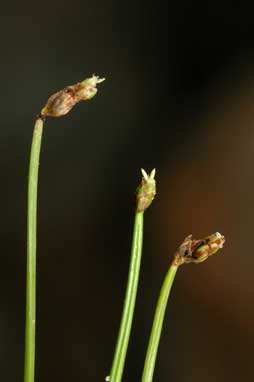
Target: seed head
[(62, 102), (197, 251)]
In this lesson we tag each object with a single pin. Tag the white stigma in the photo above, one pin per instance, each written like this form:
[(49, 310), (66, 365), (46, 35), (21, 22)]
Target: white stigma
[(145, 176), (152, 175)]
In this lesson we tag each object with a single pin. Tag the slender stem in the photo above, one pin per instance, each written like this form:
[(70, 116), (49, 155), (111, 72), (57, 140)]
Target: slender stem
[(157, 325), (129, 302), (31, 252)]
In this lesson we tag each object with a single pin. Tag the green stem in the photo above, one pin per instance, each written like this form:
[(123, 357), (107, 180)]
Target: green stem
[(31, 252), (129, 302), (157, 325)]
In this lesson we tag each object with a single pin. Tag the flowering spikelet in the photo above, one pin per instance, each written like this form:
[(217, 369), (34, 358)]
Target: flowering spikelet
[(197, 251), (62, 102), (146, 191)]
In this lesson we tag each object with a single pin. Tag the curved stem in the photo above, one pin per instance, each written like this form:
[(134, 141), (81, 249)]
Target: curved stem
[(31, 252), (129, 302), (155, 335)]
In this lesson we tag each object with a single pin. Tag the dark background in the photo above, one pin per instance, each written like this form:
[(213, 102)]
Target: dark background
[(178, 97)]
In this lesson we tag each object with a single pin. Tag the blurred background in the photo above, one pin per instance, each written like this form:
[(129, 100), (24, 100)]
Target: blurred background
[(178, 97)]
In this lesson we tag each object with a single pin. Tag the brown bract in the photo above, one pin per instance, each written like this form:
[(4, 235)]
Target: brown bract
[(60, 103)]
